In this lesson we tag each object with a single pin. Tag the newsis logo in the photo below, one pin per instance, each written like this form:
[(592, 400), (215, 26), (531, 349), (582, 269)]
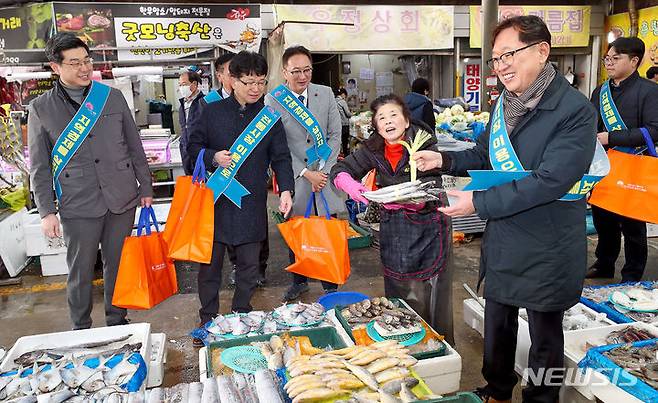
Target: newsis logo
[(631, 186), (576, 377)]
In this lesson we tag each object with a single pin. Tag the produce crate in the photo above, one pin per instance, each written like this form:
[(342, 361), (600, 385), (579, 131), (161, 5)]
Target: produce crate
[(321, 337), (461, 397), (419, 356), (363, 241)]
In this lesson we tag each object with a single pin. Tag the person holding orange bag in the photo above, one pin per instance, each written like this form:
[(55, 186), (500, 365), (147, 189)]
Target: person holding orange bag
[(626, 103), (243, 227), (415, 239)]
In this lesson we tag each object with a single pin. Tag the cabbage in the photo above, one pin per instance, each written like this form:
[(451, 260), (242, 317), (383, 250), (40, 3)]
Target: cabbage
[(457, 110)]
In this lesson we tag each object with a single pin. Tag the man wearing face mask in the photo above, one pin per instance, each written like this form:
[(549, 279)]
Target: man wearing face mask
[(636, 100), (191, 106)]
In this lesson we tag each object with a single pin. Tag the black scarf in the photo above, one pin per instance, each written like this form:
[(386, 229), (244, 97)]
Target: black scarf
[(515, 107)]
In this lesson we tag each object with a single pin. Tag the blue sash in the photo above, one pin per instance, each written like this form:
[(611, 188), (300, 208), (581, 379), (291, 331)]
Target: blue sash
[(320, 151), (507, 167), (611, 117), (70, 140), (213, 96), (223, 181)]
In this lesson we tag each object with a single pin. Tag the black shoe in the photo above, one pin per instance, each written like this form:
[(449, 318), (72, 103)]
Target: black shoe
[(295, 291), (330, 290), (231, 278), (197, 343), (124, 321), (261, 282), (595, 271)]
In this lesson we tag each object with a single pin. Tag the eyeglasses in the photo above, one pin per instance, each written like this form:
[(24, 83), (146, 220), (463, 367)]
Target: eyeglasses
[(76, 64), (296, 73), (611, 59), (259, 84), (506, 58)]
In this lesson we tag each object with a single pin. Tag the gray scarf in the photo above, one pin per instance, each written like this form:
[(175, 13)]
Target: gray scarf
[(515, 107)]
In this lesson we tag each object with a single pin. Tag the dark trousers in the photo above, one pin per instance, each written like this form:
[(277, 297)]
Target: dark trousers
[(262, 258), (298, 278), (546, 351), (82, 236), (610, 227), (246, 275), (345, 140)]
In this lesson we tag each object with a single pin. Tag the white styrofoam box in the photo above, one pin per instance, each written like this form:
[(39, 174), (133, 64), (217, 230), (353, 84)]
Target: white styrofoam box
[(523, 337), (474, 315), (203, 364), (441, 374), (12, 242), (139, 333), (36, 243), (607, 392), (54, 265), (331, 315), (157, 360), (652, 230)]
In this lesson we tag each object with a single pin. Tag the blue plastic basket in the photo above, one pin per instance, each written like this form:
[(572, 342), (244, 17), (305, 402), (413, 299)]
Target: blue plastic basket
[(245, 359), (329, 301)]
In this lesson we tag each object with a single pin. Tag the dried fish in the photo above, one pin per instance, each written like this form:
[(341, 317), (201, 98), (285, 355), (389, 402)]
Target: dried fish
[(407, 192)]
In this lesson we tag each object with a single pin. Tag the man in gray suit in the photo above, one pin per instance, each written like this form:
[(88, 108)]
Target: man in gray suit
[(101, 185), (319, 99)]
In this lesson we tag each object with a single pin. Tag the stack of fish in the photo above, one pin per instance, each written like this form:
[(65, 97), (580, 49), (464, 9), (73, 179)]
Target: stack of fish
[(629, 334), (576, 318), (90, 371), (602, 295), (636, 299), (299, 314), (359, 374), (238, 324), (641, 362), (386, 314), (406, 193)]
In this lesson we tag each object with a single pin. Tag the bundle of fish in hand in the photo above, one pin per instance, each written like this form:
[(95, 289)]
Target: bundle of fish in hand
[(387, 315), (299, 314), (374, 373), (406, 193), (85, 372), (237, 324)]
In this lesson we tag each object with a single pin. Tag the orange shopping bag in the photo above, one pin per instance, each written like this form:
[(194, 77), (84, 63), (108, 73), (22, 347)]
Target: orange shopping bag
[(631, 187), (146, 275), (191, 221), (319, 244)]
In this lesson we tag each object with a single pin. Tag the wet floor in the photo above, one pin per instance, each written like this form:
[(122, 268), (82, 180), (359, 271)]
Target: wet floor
[(38, 305)]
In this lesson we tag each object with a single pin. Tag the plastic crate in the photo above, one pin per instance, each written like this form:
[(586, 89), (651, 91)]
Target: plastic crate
[(420, 356), (608, 308), (461, 397), (321, 337), (363, 241)]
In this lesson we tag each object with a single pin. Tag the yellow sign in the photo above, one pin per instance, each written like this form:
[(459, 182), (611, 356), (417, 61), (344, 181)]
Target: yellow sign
[(569, 25), (367, 28), (620, 25)]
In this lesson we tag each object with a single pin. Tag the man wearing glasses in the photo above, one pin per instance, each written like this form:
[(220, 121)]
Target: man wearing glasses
[(242, 228), (636, 100), (88, 165), (310, 176)]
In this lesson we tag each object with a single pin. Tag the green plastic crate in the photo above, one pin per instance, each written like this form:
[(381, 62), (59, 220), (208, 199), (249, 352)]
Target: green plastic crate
[(363, 241), (440, 352), (461, 397), (321, 337)]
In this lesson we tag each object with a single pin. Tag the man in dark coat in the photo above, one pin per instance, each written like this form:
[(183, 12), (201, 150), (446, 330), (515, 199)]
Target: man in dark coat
[(534, 249), (636, 100), (420, 104), (244, 228), (191, 106)]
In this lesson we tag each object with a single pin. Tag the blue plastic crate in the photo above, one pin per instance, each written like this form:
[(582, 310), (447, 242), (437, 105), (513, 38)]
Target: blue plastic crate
[(607, 308)]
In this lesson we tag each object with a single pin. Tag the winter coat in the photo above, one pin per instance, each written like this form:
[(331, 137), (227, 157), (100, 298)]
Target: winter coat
[(534, 249), (637, 102), (186, 123), (414, 245), (421, 108), (221, 123), (344, 111)]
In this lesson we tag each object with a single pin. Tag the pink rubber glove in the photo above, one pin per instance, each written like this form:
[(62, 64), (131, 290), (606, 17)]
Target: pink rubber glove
[(353, 188), (405, 206)]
